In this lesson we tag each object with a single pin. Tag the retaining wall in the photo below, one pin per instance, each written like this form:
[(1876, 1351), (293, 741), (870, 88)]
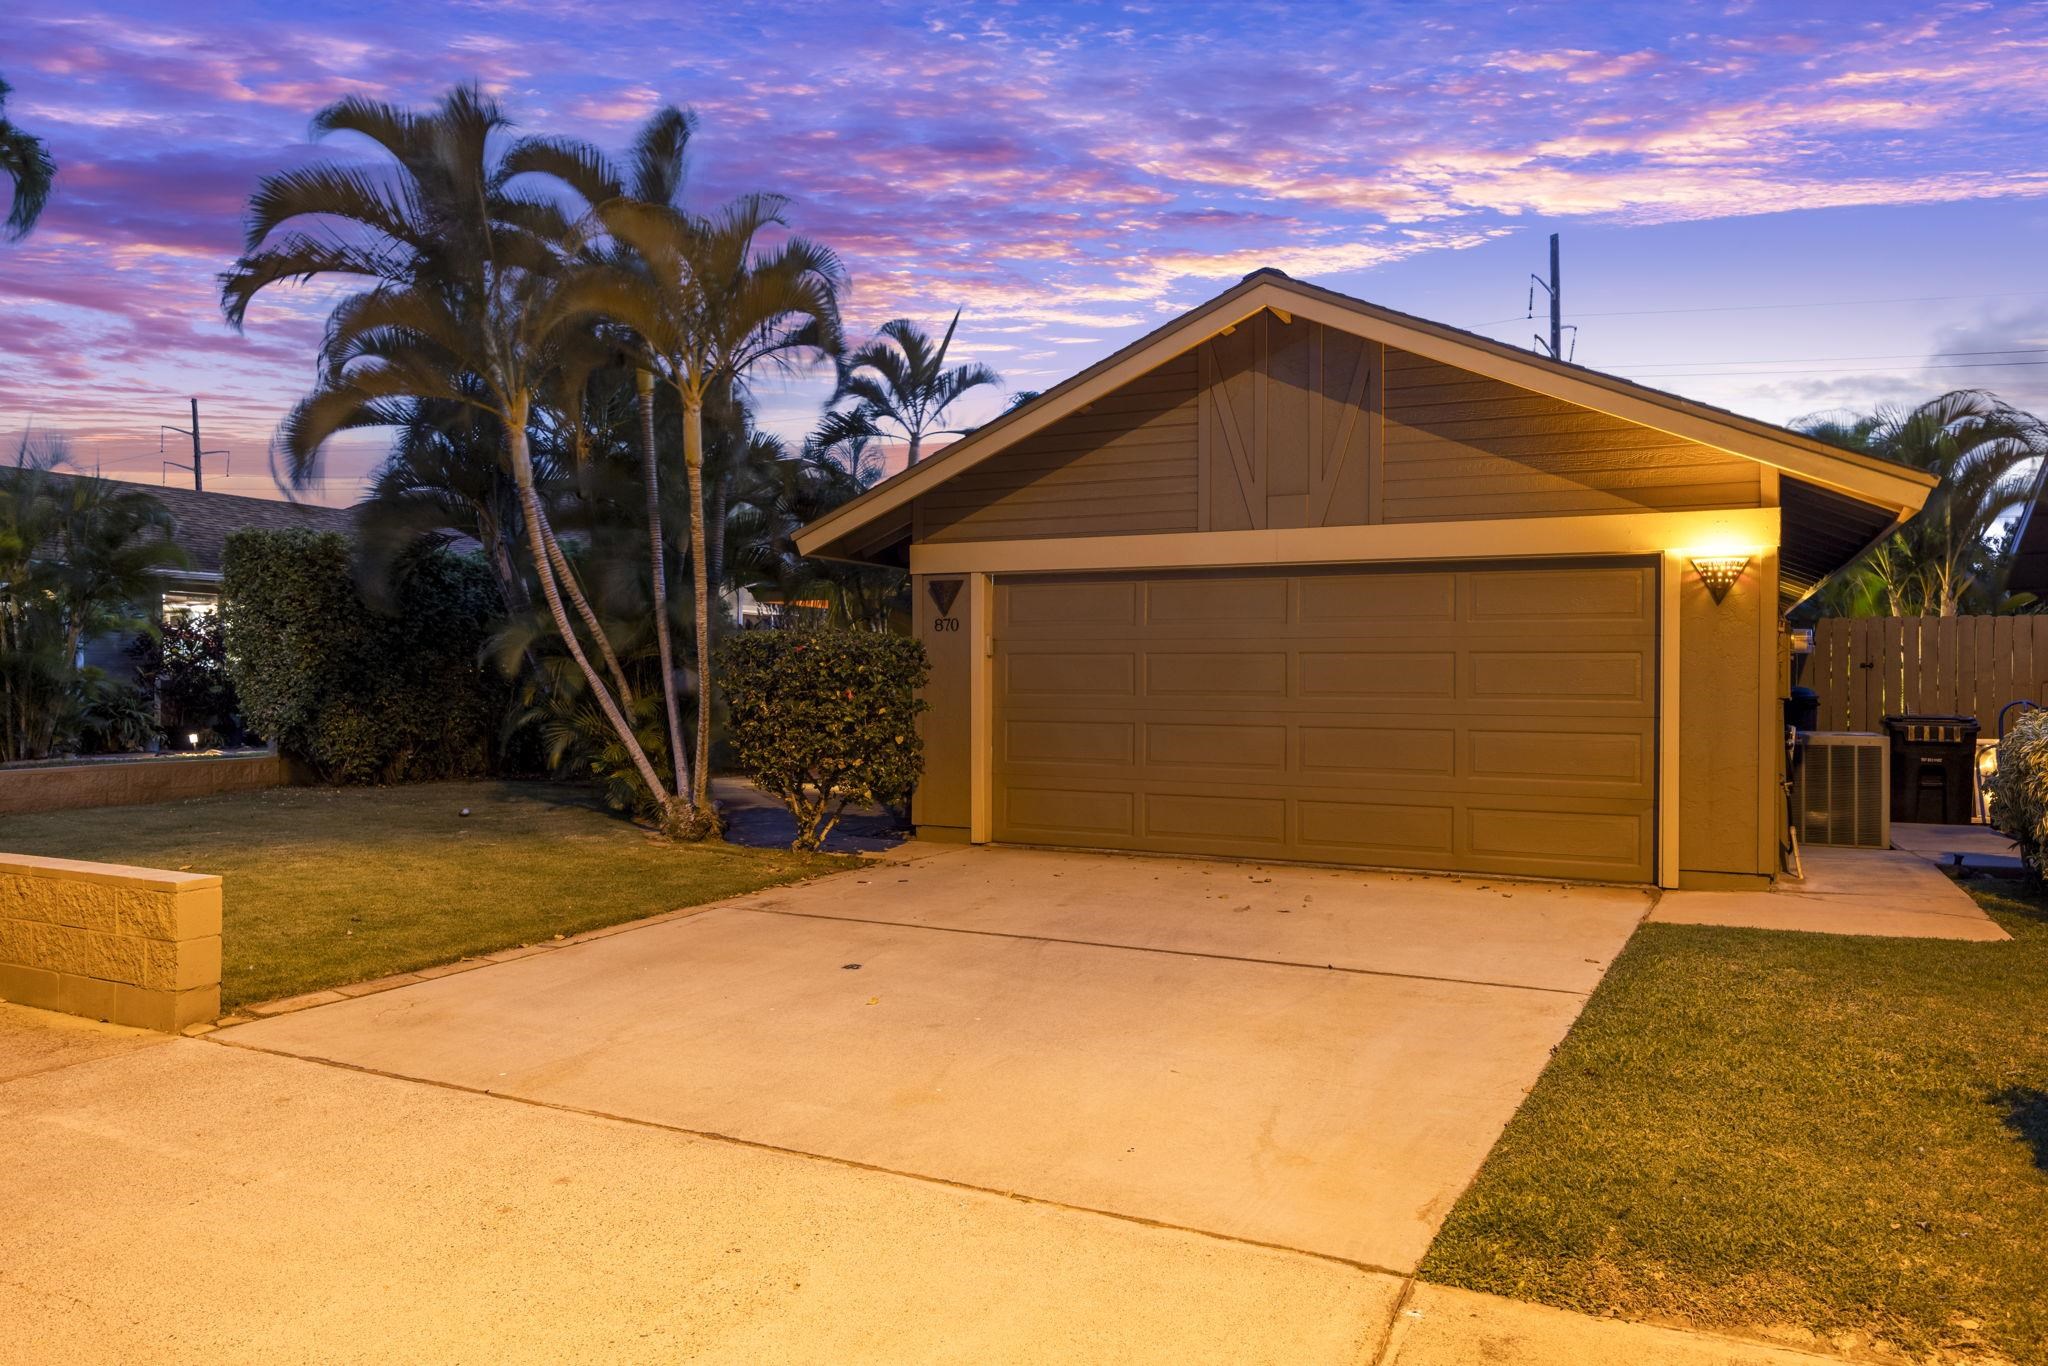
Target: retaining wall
[(140, 782), (134, 946)]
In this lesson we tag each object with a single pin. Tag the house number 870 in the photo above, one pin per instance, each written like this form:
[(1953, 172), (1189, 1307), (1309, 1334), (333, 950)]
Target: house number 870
[(946, 623)]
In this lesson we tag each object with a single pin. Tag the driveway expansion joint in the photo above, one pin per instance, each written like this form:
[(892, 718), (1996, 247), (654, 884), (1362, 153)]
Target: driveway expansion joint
[(1176, 953), (710, 1136)]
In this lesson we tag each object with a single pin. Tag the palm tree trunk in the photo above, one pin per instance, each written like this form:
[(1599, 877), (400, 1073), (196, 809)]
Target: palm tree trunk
[(657, 557), (718, 500), (566, 581), (538, 539), (529, 499), (700, 578)]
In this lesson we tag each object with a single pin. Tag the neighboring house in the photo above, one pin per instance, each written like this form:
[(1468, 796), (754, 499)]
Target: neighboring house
[(203, 523), (1298, 577)]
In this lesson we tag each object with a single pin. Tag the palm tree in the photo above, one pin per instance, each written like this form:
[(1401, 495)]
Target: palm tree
[(721, 305), (27, 163), (903, 385), (1985, 452), (463, 307), (656, 175)]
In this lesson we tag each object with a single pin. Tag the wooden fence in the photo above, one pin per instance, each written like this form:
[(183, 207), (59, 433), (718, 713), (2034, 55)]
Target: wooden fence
[(1868, 668)]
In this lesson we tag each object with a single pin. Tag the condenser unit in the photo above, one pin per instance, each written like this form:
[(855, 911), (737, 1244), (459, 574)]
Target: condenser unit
[(1841, 789)]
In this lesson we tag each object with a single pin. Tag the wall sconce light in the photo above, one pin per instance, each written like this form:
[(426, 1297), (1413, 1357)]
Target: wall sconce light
[(1719, 572)]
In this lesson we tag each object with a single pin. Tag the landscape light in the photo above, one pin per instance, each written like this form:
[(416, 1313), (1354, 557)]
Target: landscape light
[(192, 738)]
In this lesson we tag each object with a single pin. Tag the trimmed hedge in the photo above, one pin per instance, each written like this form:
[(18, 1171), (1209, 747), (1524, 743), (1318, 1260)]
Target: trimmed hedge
[(362, 695), (825, 718)]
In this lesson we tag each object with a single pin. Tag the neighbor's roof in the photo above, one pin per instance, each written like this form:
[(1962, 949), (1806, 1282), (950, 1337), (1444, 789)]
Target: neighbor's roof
[(2028, 571), (1883, 492), (204, 521)]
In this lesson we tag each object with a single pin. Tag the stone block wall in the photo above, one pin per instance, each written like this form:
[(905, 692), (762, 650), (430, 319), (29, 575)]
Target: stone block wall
[(133, 946)]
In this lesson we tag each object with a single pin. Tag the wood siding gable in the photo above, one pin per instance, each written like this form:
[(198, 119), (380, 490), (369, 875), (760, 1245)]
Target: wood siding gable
[(1281, 423)]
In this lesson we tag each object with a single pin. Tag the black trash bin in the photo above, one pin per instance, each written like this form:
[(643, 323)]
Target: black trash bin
[(1802, 709), (1934, 768)]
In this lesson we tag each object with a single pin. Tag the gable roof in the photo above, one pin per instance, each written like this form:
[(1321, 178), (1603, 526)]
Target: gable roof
[(204, 521), (1889, 492)]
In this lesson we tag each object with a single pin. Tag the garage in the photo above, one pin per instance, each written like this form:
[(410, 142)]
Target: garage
[(1295, 577), (1500, 720)]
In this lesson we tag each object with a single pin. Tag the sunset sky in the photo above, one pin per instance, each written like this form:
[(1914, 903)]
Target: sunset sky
[(1779, 208)]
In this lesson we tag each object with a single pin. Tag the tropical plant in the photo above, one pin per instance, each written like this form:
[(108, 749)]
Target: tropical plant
[(78, 558), (463, 305), (780, 494), (1986, 453), (903, 387), (826, 719), (184, 669), (29, 168), (710, 303)]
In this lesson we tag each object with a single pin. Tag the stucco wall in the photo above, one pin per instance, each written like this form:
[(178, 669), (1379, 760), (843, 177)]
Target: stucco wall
[(141, 782), (134, 946), (940, 807), (1727, 735)]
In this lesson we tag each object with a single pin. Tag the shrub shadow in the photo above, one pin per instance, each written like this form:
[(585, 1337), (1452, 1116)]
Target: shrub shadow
[(2025, 1112)]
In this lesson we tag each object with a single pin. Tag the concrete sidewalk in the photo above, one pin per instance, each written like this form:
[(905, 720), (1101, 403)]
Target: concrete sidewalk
[(180, 1200), (1889, 892)]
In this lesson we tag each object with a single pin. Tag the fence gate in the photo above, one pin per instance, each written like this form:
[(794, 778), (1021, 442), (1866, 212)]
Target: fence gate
[(1868, 668)]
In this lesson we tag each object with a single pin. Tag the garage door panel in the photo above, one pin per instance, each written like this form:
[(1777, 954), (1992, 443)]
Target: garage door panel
[(1496, 721), (1070, 741), (1334, 753), (1542, 752), (1068, 604), (1218, 673), (1377, 674), (1209, 601), (1053, 815), (1243, 819), (1411, 834), (1210, 745), (1071, 674), (1559, 677), (1385, 603), (1610, 840), (1567, 597)]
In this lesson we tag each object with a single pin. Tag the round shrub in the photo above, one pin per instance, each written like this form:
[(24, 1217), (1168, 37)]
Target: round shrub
[(2019, 790), (824, 719)]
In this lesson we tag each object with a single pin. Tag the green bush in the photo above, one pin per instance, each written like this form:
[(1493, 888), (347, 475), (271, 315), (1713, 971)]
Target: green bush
[(824, 718), (2019, 789), (361, 694)]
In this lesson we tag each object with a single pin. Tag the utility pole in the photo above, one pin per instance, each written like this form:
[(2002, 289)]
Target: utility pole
[(198, 456), (1554, 287), (1556, 328)]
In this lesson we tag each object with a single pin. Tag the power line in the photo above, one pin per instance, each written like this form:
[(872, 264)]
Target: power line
[(1848, 370), (1805, 360), (1816, 303)]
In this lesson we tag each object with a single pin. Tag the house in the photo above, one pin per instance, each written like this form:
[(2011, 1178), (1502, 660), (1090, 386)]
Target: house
[(202, 523), (1299, 577)]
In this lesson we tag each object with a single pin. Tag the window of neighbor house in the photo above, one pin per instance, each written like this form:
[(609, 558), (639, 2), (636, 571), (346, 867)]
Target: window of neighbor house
[(179, 608)]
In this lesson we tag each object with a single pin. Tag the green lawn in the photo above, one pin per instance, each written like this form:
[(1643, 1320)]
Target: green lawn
[(326, 886), (1766, 1131)]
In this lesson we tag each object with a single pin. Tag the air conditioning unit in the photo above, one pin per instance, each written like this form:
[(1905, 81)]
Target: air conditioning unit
[(1841, 789)]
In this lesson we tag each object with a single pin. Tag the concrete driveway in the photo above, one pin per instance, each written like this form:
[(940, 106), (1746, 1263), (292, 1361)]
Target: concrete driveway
[(1311, 1060)]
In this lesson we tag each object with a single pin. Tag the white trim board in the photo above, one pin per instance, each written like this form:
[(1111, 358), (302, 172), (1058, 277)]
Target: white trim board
[(1754, 530)]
